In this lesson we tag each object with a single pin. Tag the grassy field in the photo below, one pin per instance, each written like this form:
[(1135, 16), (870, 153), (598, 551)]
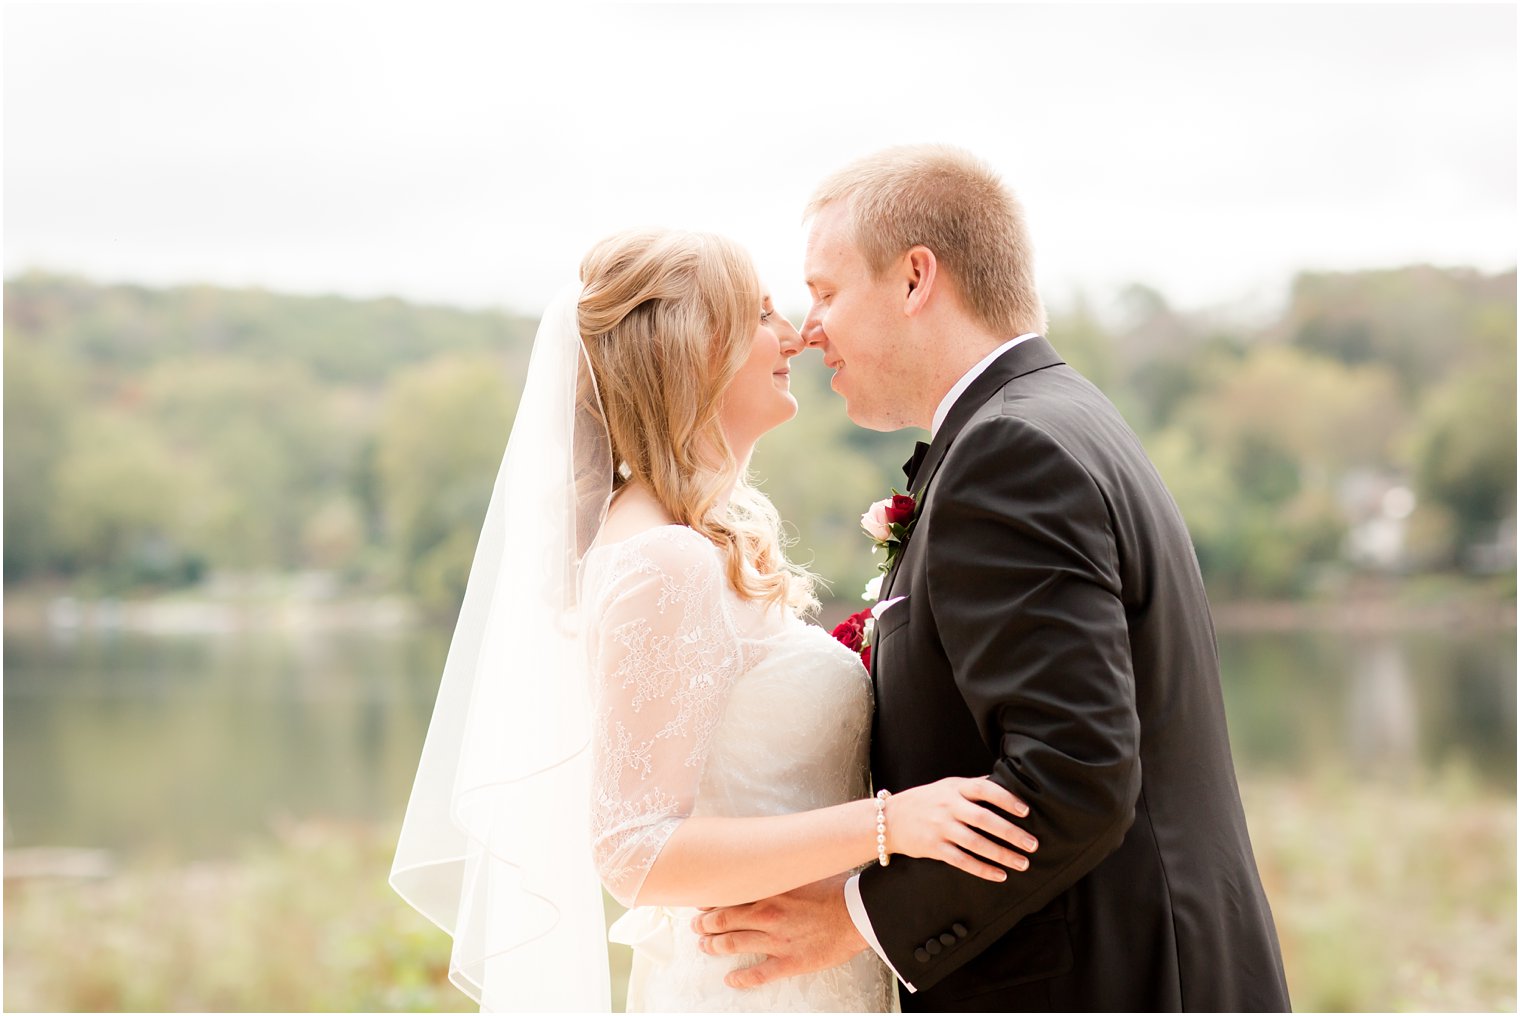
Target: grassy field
[(1386, 899), (1390, 900)]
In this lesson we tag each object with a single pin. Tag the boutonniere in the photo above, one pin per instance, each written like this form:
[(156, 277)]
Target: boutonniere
[(888, 522), (855, 632)]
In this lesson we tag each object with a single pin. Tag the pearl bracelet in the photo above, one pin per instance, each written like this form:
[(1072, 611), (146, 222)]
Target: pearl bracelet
[(881, 827)]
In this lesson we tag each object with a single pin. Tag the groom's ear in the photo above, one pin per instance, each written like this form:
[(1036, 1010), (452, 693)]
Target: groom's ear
[(921, 269)]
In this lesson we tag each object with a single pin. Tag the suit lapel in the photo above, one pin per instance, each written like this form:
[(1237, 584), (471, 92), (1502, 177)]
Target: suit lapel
[(1025, 358)]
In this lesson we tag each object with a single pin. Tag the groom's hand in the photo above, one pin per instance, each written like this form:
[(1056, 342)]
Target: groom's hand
[(799, 932)]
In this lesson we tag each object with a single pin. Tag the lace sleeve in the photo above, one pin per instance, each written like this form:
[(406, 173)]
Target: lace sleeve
[(665, 652)]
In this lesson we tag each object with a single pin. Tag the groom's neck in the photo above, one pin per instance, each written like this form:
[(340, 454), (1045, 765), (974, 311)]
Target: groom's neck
[(956, 359)]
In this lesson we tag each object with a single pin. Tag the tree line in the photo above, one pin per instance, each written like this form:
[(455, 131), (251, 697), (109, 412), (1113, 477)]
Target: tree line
[(154, 436)]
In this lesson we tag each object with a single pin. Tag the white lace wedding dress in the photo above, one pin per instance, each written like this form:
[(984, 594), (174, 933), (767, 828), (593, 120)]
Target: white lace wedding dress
[(712, 705)]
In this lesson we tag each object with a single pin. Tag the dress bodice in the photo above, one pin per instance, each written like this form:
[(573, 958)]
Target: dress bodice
[(708, 704), (795, 732)]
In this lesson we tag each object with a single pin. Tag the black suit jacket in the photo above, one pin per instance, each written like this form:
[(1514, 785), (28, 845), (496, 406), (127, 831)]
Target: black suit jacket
[(1055, 634)]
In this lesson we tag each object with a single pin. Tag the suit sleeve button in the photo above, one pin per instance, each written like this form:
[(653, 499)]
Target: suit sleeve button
[(959, 929), (934, 947), (921, 954), (948, 939)]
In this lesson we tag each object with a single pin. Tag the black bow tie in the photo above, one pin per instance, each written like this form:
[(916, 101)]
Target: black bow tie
[(910, 468)]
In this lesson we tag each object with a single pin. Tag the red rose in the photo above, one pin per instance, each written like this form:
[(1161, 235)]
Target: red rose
[(865, 657), (900, 511), (851, 632)]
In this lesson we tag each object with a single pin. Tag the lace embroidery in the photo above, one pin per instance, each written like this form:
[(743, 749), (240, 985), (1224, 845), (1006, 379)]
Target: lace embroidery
[(709, 704), (665, 650)]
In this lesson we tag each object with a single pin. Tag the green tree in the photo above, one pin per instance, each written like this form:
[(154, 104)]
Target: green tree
[(124, 504), (270, 438), (1420, 322), (1267, 444), (1462, 449), (1084, 342), (40, 403), (1281, 409), (440, 439)]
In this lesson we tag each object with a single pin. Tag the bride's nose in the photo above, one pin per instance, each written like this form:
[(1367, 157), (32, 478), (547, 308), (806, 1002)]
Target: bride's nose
[(791, 340)]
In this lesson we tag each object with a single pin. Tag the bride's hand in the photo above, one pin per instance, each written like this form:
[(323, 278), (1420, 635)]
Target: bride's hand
[(943, 821)]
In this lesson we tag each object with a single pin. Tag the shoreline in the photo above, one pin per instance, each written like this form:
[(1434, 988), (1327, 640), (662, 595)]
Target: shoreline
[(1363, 615), (183, 614), (295, 606)]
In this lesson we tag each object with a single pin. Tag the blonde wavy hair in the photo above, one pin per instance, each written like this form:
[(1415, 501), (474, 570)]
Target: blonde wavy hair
[(946, 199), (668, 318)]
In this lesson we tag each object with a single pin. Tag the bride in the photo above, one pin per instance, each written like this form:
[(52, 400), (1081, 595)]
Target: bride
[(631, 698)]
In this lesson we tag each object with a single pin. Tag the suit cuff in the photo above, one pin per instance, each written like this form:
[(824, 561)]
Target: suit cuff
[(857, 908)]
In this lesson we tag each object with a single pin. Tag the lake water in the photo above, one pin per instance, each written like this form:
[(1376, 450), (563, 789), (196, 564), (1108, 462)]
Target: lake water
[(180, 747)]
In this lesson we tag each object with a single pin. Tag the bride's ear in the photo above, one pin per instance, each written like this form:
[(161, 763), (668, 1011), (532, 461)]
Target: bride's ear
[(921, 269)]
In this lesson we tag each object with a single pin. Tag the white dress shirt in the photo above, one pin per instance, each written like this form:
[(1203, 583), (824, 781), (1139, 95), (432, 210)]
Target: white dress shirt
[(959, 388), (852, 898)]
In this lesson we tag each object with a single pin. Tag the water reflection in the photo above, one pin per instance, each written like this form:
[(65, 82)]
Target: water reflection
[(1392, 706), (1381, 715), (190, 745), (187, 746)]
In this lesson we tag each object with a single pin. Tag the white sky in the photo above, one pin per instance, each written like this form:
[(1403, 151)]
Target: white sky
[(471, 153)]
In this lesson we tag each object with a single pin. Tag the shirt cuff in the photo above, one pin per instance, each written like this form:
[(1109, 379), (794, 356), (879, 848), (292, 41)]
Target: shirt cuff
[(857, 908)]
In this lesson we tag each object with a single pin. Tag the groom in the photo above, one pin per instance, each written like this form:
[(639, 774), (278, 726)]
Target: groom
[(1045, 623)]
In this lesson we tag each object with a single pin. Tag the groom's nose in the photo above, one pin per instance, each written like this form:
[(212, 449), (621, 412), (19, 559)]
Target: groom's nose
[(812, 330)]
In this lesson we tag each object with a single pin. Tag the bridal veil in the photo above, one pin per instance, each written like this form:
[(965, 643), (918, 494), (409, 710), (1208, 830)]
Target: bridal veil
[(494, 848)]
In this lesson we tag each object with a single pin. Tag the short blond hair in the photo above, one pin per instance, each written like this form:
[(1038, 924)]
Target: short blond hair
[(668, 318), (945, 199)]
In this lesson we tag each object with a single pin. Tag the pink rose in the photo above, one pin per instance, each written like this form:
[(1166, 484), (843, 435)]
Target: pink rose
[(875, 521)]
